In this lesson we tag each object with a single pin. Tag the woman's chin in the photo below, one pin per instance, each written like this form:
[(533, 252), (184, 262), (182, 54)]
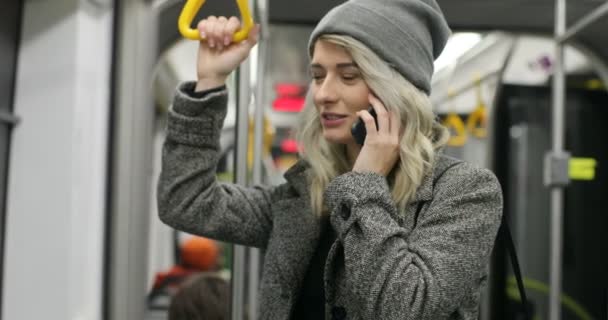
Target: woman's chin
[(338, 138)]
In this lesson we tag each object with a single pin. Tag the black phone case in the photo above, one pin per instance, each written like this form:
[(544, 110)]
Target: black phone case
[(358, 130)]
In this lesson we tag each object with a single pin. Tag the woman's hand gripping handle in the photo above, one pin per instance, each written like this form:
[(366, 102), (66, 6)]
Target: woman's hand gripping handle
[(218, 55)]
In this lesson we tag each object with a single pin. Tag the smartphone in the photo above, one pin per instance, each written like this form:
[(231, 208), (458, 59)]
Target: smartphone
[(358, 129)]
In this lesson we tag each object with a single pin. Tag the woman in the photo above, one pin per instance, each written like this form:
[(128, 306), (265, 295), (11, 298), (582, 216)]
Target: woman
[(387, 230)]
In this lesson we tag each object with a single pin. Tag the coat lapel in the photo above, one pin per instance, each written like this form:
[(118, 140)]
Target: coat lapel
[(298, 230), (424, 193)]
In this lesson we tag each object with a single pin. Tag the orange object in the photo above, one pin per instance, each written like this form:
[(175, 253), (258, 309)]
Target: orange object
[(199, 253), (172, 278)]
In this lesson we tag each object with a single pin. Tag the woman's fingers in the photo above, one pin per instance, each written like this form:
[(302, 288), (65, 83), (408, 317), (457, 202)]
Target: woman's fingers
[(218, 32), (370, 123), (202, 29), (210, 26), (389, 124), (230, 28), (254, 35), (381, 114)]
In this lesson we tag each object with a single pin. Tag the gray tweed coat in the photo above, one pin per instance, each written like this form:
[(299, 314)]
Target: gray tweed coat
[(427, 264)]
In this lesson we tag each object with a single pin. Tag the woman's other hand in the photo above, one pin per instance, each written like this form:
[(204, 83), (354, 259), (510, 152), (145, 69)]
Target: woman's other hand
[(218, 54), (380, 151)]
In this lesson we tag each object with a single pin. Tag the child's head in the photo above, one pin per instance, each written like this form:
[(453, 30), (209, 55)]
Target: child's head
[(203, 296)]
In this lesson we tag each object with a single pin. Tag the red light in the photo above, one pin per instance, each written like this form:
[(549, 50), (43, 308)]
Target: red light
[(290, 97), (288, 104), (289, 146), (288, 89)]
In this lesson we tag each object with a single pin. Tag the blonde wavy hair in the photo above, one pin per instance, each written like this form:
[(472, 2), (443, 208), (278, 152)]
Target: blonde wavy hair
[(422, 135)]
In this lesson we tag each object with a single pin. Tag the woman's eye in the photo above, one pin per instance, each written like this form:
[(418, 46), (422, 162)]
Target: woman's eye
[(317, 77), (349, 77)]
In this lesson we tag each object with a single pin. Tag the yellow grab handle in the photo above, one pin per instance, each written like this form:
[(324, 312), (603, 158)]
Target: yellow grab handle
[(476, 124), (453, 121), (192, 7)]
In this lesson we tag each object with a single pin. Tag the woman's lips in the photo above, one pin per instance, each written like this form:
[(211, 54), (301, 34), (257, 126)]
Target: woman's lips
[(330, 120)]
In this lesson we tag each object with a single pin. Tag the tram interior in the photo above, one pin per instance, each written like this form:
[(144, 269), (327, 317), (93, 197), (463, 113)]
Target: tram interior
[(499, 65), (508, 75)]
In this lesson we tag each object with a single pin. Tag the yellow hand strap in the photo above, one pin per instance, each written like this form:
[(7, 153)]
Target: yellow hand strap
[(454, 123), (477, 123), (192, 7)]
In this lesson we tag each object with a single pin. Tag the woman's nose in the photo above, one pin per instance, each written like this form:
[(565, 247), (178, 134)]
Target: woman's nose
[(326, 91)]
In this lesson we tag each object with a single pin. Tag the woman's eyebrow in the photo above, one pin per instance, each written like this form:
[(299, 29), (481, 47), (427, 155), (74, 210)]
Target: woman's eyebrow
[(316, 66), (347, 65), (338, 66)]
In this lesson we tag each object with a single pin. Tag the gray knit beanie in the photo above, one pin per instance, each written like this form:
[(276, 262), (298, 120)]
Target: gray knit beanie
[(408, 34)]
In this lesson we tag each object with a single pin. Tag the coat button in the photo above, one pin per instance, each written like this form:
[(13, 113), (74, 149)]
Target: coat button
[(338, 313), (345, 212)]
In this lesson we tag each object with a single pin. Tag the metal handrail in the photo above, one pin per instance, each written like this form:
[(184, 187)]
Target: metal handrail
[(456, 92), (255, 257), (583, 23), (551, 167), (558, 154), (242, 140)]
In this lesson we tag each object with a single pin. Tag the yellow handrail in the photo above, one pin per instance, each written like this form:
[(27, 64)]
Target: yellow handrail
[(534, 285), (267, 139), (476, 124), (454, 123), (192, 7), (477, 121)]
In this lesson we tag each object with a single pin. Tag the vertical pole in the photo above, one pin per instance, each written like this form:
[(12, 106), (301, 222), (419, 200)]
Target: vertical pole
[(242, 122), (557, 191), (255, 257), (129, 182)]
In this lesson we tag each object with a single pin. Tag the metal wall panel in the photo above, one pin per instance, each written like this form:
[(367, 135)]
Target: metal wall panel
[(10, 18)]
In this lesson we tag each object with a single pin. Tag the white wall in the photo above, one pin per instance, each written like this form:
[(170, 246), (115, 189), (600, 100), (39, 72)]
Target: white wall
[(486, 60), (57, 174), (483, 60), (525, 67)]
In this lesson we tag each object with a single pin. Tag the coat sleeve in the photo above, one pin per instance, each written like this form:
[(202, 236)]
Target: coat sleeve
[(189, 197), (425, 273)]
